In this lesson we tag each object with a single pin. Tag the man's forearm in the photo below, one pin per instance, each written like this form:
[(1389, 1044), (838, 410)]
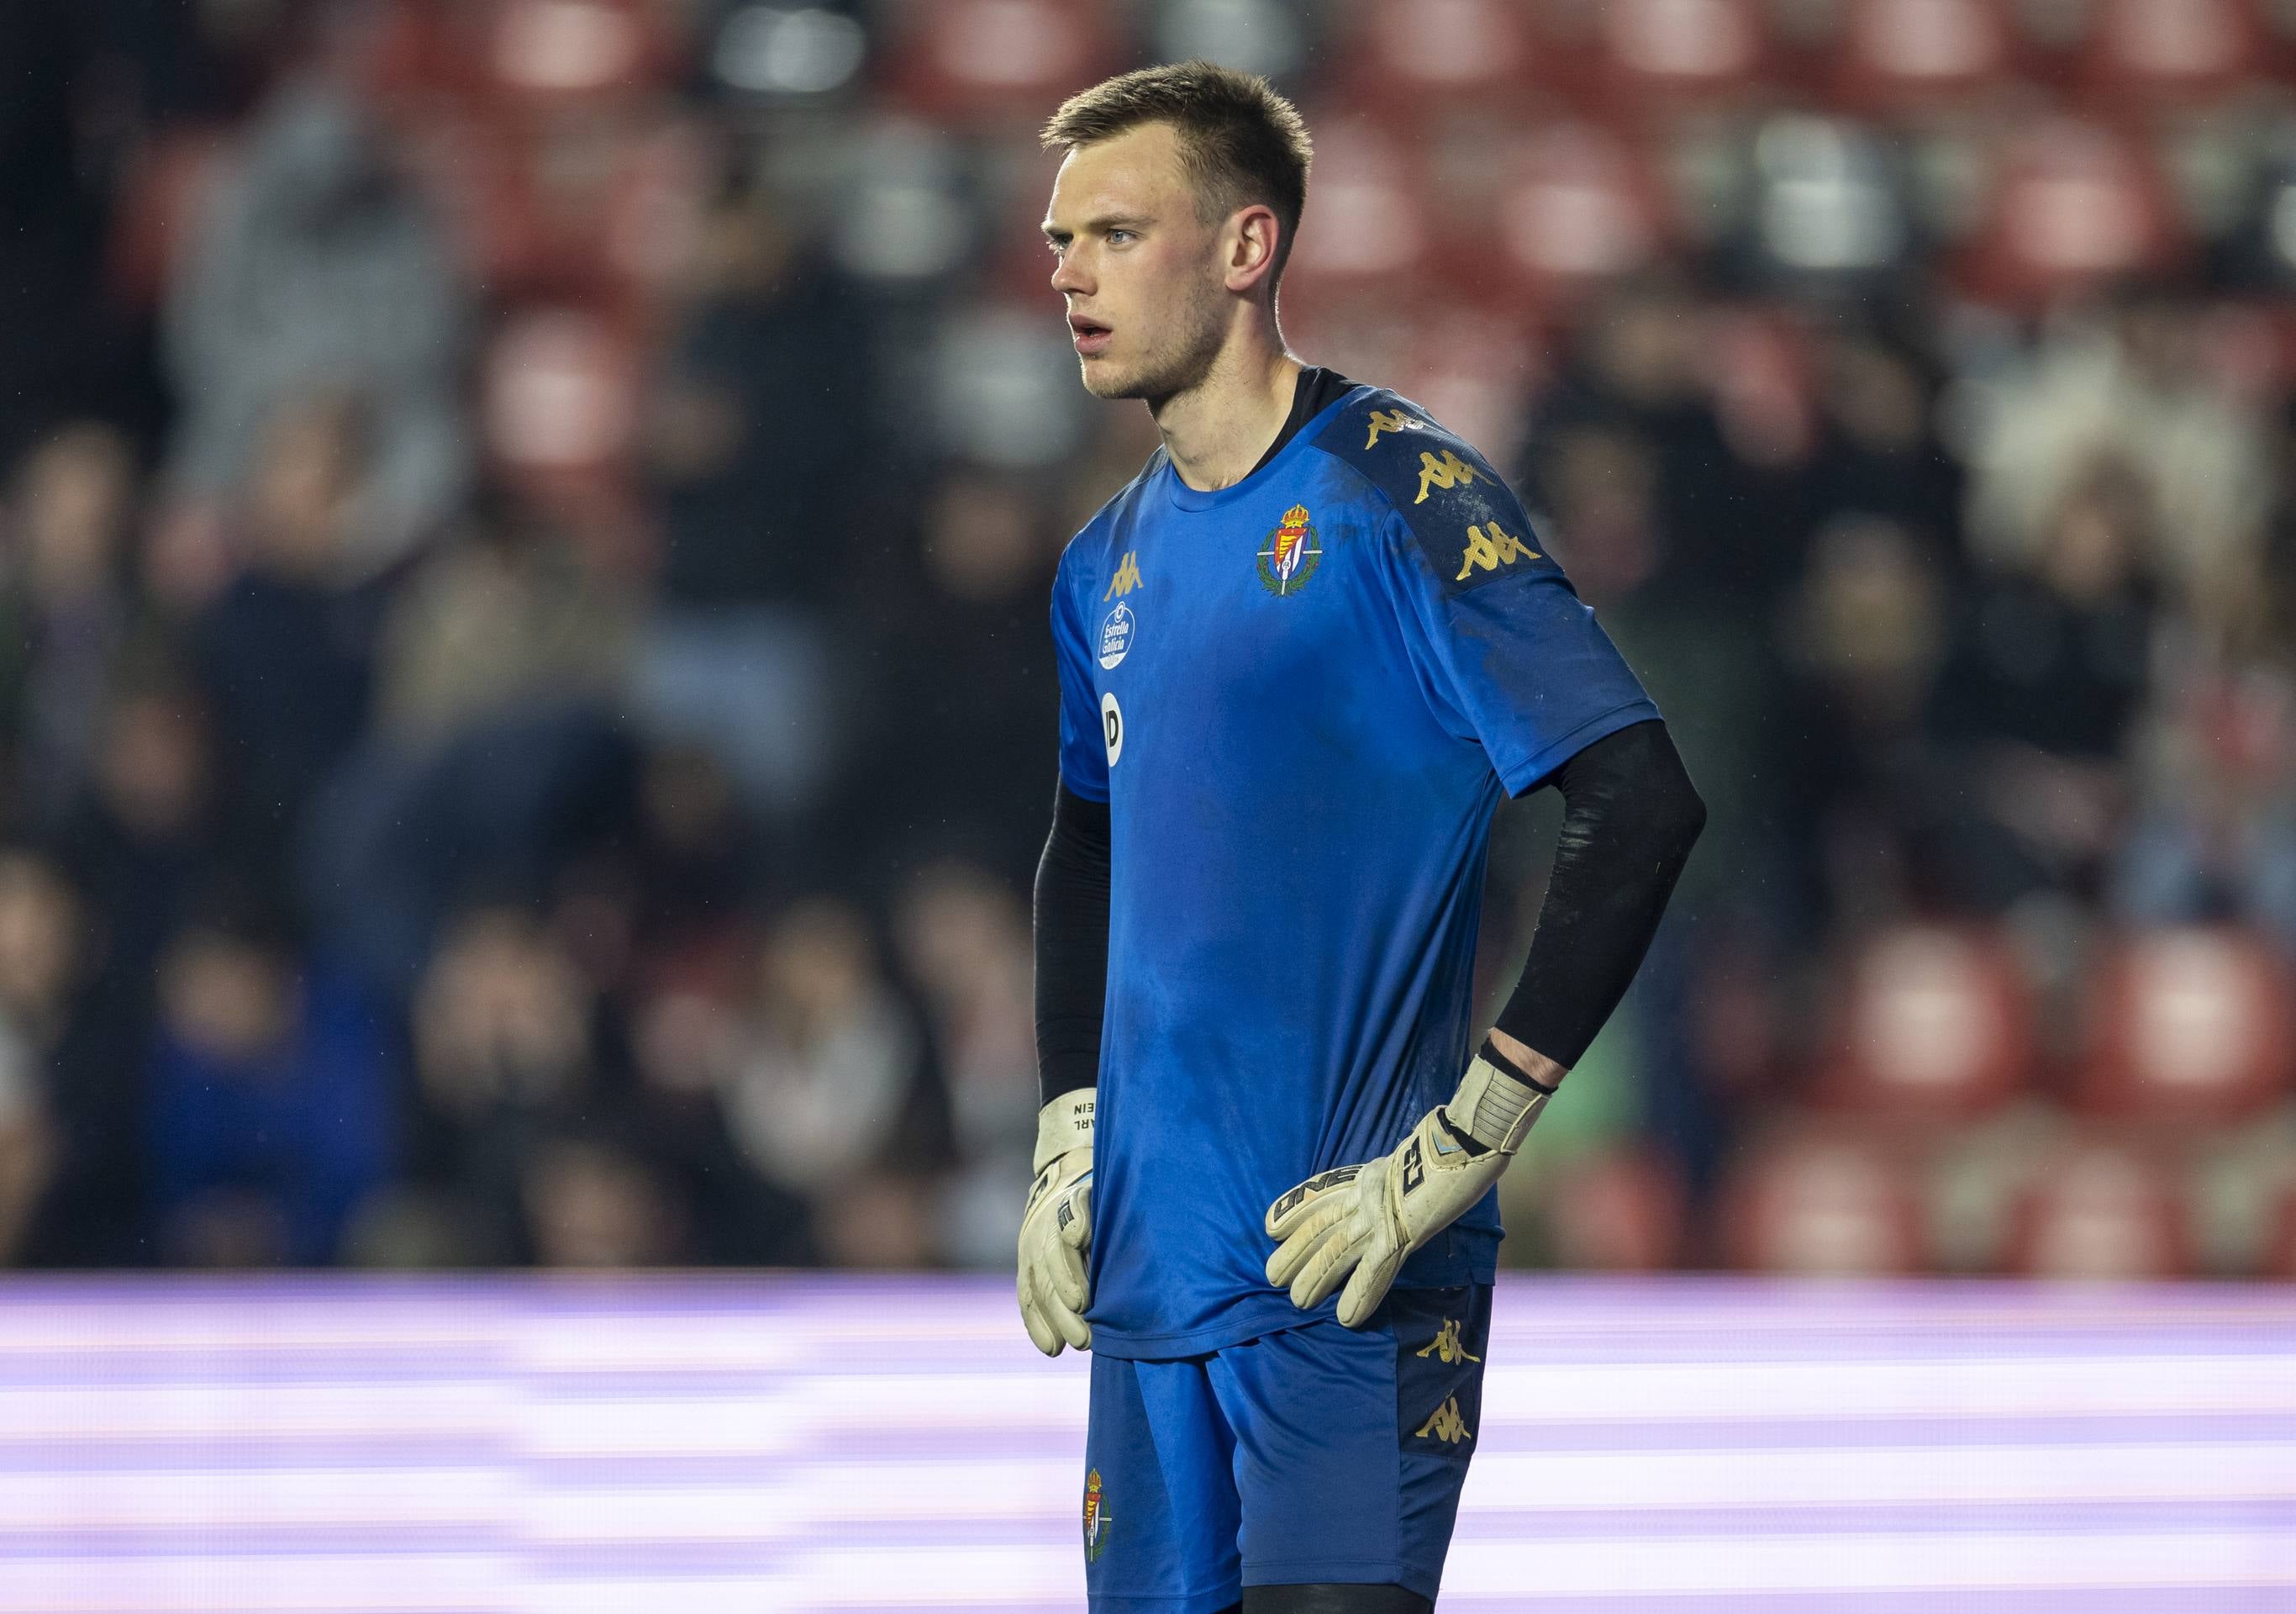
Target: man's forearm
[(1630, 816), (1072, 881)]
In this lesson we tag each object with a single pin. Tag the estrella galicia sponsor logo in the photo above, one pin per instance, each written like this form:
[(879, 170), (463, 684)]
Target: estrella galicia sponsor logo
[(1096, 1516), (1116, 635), (1111, 727), (1290, 555)]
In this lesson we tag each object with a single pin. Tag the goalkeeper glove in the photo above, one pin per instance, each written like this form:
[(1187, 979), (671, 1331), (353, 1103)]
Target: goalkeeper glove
[(1056, 1227), (1365, 1219)]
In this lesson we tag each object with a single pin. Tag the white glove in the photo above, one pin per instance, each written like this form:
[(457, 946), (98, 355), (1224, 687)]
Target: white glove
[(1056, 1227), (1365, 1219)]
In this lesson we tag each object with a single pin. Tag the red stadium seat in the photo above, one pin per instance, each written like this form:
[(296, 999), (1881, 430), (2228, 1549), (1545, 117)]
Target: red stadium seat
[(1895, 54), (2072, 204), (2157, 51), (1615, 1210), (1660, 52), (1933, 1022), (2102, 1211), (164, 191), (1411, 56), (583, 206), (1575, 205), (2189, 1024), (551, 51), (1823, 1201), (999, 61), (560, 400), (1372, 229)]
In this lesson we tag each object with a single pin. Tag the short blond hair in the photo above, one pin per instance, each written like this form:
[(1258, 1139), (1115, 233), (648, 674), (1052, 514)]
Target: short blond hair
[(1239, 140)]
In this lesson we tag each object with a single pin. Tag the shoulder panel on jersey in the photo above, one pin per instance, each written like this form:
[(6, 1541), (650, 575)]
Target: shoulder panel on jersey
[(1467, 520), (1119, 504)]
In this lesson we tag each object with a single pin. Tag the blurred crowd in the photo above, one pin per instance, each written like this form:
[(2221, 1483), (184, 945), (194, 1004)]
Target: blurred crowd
[(525, 706)]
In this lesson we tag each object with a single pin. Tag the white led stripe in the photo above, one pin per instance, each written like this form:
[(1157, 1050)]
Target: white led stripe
[(235, 1411), (1870, 1562), (253, 1498), (382, 1583), (1987, 1387)]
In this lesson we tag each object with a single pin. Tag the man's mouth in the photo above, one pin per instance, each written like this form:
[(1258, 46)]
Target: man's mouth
[(1089, 336)]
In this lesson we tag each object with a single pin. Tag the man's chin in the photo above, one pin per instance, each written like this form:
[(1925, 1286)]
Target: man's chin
[(1103, 380)]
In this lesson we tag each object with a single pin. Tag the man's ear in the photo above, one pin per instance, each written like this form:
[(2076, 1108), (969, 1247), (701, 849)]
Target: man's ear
[(1249, 245)]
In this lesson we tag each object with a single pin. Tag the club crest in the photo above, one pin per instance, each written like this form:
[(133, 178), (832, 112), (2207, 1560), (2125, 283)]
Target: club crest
[(1096, 1519), (1291, 556)]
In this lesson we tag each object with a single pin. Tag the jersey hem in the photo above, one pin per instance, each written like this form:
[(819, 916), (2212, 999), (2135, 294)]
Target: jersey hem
[(1269, 1314), (1091, 792), (1520, 777)]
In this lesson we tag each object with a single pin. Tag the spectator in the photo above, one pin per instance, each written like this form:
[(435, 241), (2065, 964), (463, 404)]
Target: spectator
[(508, 617), (285, 654), (41, 933), (591, 1201), (319, 272), (966, 942), (826, 1069), (2048, 668), (2127, 385), (64, 611), (270, 1118), (763, 461), (505, 1053)]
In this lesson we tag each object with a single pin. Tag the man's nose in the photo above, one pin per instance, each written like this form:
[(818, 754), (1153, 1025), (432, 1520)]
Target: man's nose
[(1069, 275)]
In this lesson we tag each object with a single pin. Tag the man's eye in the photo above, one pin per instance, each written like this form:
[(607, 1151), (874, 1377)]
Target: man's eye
[(1120, 236)]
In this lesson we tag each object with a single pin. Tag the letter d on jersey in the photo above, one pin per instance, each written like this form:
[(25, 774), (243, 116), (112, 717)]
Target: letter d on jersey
[(1111, 727)]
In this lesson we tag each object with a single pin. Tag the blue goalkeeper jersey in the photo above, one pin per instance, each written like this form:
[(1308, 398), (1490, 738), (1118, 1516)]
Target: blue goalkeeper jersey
[(1302, 697)]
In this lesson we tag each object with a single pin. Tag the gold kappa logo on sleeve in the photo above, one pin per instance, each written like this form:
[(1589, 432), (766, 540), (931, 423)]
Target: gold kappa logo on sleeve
[(1391, 420), (1126, 578), (1447, 1425), (1446, 1347), (1490, 548), (1446, 471)]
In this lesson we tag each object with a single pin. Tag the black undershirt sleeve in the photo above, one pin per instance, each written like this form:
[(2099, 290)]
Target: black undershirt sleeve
[(1630, 816), (1072, 881)]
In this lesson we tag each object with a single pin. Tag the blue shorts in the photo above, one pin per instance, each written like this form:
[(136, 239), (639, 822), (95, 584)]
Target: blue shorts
[(1320, 1454)]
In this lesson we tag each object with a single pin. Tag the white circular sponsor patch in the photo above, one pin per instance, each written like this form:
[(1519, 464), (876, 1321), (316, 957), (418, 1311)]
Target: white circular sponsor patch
[(1111, 727), (1116, 635)]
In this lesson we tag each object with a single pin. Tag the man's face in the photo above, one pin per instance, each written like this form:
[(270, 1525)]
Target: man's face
[(1141, 272)]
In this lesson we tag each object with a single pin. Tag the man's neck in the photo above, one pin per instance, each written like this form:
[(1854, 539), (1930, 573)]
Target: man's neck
[(1217, 430)]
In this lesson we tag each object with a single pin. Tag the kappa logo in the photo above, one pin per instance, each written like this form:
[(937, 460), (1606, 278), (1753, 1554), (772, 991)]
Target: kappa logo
[(1096, 1516), (1447, 1425), (1445, 1347), (1291, 556), (1491, 547), (1448, 472), (1391, 420), (1128, 575)]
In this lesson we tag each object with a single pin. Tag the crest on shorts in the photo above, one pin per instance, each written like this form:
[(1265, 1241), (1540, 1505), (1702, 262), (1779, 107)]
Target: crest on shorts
[(1290, 555), (1096, 1519)]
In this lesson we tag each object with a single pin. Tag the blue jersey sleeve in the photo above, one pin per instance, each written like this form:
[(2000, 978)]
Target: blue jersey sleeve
[(1507, 652), (1084, 757)]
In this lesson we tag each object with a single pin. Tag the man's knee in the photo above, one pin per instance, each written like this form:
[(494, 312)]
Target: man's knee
[(1333, 1600)]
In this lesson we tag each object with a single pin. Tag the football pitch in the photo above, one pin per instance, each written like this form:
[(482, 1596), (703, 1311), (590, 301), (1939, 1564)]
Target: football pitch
[(867, 1444)]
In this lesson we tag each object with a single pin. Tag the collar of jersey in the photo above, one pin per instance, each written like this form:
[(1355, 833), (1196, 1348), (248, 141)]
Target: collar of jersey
[(1189, 498)]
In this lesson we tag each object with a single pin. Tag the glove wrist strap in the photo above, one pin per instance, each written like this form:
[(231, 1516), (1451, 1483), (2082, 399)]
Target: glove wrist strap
[(1064, 1125), (1496, 1105)]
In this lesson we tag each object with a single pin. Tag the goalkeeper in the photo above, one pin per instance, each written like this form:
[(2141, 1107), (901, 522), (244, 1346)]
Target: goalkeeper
[(1302, 656)]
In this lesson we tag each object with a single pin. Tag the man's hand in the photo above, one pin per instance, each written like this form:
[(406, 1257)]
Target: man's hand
[(1056, 1227), (1363, 1220)]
